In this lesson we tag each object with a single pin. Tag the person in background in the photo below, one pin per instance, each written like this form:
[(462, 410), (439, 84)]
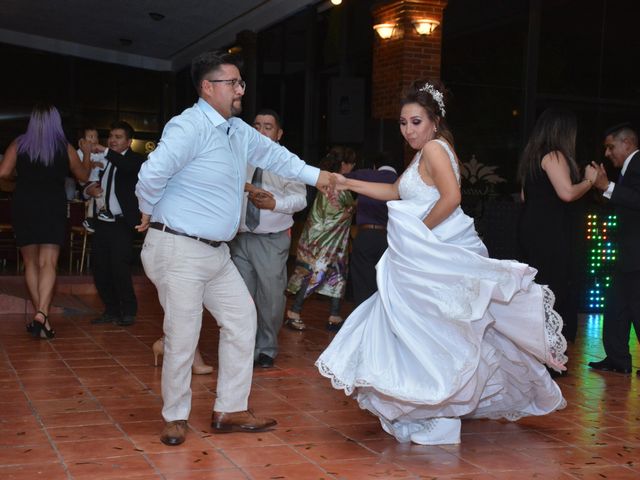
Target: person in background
[(94, 204), (622, 308), (371, 239), (547, 230), (322, 254), (261, 248), (42, 158), (112, 247)]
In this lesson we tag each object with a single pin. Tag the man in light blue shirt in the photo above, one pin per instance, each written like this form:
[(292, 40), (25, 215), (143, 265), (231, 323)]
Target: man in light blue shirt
[(190, 192)]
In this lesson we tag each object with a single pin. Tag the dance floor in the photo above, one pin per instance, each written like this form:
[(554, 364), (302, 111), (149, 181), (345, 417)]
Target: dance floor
[(87, 406)]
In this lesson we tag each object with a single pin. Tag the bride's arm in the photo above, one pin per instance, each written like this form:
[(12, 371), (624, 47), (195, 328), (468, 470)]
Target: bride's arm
[(437, 165), (379, 191)]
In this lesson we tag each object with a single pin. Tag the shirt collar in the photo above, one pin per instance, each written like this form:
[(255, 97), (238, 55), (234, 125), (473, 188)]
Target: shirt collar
[(387, 168), (626, 162), (212, 114)]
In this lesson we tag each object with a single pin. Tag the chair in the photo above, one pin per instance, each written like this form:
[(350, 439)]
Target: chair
[(8, 248), (78, 235)]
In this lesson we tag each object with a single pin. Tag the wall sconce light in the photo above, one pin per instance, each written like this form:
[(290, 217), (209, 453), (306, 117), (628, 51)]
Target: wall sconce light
[(425, 26), (336, 2), (385, 30)]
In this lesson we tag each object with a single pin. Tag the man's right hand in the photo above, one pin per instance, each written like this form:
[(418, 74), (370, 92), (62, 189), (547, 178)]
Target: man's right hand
[(145, 219), (602, 181), (326, 182)]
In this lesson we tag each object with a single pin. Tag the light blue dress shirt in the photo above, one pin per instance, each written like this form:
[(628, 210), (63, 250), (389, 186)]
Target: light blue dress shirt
[(193, 182)]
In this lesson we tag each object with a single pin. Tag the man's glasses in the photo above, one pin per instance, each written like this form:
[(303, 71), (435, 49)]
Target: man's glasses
[(232, 81)]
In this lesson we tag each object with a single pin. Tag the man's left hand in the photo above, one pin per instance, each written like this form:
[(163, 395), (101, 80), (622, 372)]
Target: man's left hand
[(263, 201)]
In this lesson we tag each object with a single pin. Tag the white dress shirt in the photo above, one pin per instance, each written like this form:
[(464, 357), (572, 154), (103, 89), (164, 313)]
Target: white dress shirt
[(290, 197), (193, 182)]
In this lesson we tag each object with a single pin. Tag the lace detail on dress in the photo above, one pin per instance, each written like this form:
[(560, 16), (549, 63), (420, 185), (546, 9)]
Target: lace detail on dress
[(556, 343), (515, 415), (455, 299), (325, 371), (413, 187)]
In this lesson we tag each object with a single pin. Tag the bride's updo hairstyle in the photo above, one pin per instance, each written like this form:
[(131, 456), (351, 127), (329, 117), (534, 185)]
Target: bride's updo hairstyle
[(432, 95)]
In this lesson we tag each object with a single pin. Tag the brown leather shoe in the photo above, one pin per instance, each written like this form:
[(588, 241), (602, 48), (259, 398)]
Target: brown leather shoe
[(174, 433), (224, 422)]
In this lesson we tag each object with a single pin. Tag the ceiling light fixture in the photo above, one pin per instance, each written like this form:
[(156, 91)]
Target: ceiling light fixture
[(425, 26), (336, 2)]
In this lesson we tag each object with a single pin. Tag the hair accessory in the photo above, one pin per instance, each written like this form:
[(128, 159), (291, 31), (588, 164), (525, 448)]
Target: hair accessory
[(436, 94)]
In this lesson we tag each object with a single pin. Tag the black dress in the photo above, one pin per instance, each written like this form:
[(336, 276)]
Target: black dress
[(547, 235), (39, 205)]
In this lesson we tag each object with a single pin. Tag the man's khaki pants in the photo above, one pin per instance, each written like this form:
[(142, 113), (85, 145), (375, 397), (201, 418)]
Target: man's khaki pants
[(189, 274)]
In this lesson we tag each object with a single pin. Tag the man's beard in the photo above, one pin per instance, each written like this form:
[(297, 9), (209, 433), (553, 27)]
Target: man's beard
[(236, 110)]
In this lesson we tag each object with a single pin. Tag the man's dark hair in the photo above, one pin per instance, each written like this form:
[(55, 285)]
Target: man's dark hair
[(121, 124), (273, 113), (625, 130), (208, 62)]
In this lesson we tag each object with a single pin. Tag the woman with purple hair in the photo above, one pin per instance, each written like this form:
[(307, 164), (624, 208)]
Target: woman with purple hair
[(42, 158)]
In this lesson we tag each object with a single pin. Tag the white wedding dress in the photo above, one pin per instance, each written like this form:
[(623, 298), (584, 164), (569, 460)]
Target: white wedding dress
[(450, 332)]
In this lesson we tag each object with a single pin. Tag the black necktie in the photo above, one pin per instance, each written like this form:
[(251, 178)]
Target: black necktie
[(107, 194), (620, 177), (252, 217)]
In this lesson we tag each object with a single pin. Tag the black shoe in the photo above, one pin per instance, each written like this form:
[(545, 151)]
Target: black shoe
[(606, 366), (264, 361), (126, 320), (105, 318)]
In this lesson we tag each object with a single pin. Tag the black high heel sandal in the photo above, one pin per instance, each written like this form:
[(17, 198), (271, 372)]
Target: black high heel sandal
[(335, 325), (39, 329)]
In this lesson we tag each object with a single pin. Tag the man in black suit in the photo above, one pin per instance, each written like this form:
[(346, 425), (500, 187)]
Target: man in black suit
[(112, 247), (623, 303)]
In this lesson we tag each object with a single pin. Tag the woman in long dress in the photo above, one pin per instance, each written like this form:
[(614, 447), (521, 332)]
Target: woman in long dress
[(322, 255), (551, 185), (450, 333)]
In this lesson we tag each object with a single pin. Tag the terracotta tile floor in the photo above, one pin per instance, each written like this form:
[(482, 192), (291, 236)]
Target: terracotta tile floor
[(87, 405)]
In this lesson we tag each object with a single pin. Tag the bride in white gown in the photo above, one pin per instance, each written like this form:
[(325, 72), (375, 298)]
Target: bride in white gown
[(450, 333)]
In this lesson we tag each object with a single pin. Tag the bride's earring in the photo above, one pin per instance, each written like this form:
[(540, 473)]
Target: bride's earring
[(435, 129)]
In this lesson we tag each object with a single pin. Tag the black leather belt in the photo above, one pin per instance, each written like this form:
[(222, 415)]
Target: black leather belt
[(371, 226), (162, 227)]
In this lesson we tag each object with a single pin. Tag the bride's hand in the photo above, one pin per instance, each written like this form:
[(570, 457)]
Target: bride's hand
[(341, 182), (590, 174)]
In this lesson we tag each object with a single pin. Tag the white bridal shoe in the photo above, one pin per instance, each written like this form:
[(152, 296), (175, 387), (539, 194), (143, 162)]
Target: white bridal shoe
[(439, 431)]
